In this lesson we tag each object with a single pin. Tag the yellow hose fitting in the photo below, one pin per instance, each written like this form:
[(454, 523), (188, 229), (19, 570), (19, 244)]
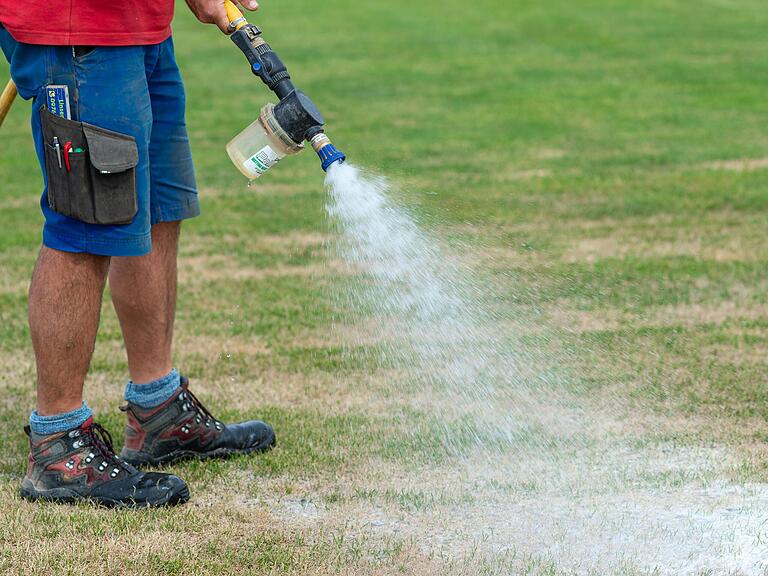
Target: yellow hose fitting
[(236, 18)]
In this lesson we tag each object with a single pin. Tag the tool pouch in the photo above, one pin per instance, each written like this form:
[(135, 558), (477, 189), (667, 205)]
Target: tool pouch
[(100, 185)]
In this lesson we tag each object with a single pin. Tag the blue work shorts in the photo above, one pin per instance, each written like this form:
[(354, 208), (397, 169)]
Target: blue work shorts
[(133, 90)]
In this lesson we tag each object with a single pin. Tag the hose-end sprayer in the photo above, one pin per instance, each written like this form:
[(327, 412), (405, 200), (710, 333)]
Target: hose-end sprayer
[(281, 129)]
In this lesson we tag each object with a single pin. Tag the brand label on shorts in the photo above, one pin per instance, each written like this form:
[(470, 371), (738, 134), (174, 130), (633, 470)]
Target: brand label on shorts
[(57, 100), (263, 160)]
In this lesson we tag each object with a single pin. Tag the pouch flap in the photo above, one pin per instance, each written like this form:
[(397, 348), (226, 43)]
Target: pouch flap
[(110, 151)]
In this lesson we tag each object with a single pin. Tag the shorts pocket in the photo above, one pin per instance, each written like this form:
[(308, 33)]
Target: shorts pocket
[(113, 160), (91, 171), (82, 51)]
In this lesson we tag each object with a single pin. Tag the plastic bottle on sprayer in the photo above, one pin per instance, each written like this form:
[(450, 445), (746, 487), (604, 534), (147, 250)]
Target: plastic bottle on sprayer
[(261, 145)]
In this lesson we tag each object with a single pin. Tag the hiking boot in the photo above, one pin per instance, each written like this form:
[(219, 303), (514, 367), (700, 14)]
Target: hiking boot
[(81, 465), (182, 428)]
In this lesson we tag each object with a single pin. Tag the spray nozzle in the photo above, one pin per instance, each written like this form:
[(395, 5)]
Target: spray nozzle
[(327, 152)]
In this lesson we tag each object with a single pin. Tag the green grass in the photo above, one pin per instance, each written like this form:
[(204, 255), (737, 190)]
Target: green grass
[(577, 146)]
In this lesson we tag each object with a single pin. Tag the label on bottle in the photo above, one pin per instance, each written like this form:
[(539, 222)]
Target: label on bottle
[(262, 161)]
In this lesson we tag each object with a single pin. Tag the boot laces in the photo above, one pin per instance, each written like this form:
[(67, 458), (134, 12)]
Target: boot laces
[(192, 402), (99, 438)]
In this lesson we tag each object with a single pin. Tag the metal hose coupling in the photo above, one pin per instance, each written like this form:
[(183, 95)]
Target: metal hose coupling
[(328, 153)]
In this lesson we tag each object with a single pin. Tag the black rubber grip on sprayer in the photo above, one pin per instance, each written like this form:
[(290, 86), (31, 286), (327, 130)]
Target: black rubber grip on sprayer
[(265, 63)]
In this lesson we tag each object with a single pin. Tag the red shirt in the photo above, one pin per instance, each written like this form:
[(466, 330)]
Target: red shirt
[(88, 22)]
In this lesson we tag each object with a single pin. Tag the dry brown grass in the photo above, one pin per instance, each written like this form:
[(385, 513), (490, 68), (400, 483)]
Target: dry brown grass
[(239, 538), (17, 367), (195, 270), (265, 243), (684, 315), (731, 249), (739, 165)]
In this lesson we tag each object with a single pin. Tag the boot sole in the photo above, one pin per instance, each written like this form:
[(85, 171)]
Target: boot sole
[(144, 460), (67, 496)]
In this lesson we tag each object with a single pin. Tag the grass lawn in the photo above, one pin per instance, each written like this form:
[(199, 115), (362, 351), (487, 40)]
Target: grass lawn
[(602, 164)]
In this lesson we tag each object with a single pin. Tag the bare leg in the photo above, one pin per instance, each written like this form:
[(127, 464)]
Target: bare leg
[(144, 295), (64, 309)]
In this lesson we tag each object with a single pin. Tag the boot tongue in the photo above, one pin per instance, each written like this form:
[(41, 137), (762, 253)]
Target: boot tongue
[(87, 424)]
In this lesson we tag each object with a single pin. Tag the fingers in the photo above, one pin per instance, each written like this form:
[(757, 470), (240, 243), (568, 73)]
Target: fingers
[(214, 12), (219, 17), (249, 4)]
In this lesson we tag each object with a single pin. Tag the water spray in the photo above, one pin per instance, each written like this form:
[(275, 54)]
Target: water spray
[(281, 129)]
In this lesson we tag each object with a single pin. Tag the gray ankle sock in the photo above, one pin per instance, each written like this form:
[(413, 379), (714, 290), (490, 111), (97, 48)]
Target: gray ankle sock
[(45, 425), (154, 393)]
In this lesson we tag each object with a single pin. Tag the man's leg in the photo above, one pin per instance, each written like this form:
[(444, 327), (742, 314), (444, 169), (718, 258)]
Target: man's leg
[(165, 421), (144, 295), (64, 308), (71, 456)]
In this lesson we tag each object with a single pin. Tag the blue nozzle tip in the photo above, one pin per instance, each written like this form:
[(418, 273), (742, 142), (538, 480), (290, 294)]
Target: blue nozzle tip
[(256, 66), (329, 155)]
